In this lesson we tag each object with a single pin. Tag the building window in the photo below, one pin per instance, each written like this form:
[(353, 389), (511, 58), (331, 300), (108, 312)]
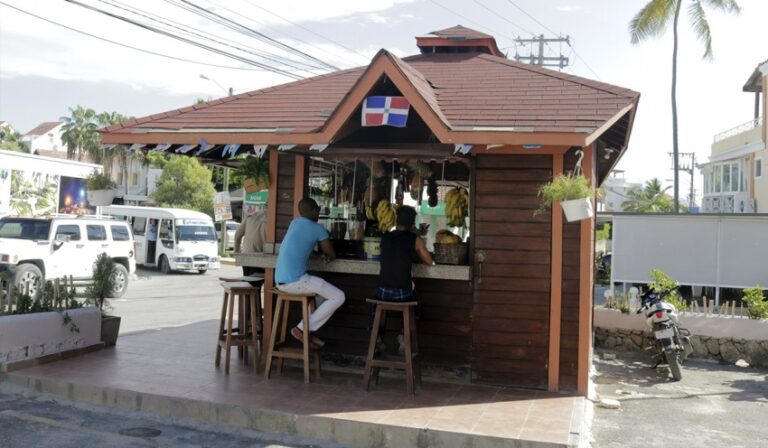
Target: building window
[(718, 172), (726, 177), (134, 179), (758, 168)]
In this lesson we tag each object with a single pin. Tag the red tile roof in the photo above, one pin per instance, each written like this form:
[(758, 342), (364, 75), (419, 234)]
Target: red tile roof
[(467, 90), (461, 31)]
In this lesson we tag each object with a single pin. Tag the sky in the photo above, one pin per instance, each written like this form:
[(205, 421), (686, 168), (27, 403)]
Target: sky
[(46, 69)]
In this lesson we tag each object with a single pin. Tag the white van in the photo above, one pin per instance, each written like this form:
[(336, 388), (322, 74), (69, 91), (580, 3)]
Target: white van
[(185, 240)]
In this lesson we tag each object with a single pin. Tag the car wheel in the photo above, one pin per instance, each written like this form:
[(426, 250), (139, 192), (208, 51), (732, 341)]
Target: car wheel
[(28, 279), (202, 271), (165, 268), (120, 279)]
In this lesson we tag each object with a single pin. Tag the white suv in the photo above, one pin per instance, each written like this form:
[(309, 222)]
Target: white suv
[(33, 249)]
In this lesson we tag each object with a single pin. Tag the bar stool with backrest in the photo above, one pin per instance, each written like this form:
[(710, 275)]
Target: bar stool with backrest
[(409, 362), (247, 333), (282, 309)]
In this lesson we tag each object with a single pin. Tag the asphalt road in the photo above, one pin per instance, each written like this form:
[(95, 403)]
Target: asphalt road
[(715, 405), (156, 300)]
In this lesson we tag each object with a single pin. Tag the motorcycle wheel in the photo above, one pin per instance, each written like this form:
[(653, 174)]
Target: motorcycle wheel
[(673, 359)]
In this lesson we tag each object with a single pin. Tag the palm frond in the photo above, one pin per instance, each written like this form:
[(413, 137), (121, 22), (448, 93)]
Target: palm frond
[(729, 6), (701, 27), (652, 20)]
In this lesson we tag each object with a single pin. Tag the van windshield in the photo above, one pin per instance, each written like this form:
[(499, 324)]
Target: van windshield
[(195, 233), (25, 229)]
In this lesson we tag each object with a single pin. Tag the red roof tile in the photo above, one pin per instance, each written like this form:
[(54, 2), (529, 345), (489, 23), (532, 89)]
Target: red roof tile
[(464, 89), (461, 31)]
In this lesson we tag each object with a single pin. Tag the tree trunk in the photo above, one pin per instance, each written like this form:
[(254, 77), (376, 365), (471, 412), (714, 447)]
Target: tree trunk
[(675, 148)]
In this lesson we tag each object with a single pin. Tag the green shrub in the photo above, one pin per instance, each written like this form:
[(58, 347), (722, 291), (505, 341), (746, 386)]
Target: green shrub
[(563, 188), (662, 282), (99, 181), (618, 302), (103, 281), (757, 305)]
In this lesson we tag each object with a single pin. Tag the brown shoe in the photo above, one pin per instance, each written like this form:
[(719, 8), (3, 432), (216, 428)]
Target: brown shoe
[(299, 336)]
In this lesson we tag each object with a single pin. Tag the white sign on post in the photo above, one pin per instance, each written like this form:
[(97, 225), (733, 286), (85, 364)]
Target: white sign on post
[(222, 208)]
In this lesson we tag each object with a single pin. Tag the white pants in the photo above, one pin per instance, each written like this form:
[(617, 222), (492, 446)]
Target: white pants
[(329, 298)]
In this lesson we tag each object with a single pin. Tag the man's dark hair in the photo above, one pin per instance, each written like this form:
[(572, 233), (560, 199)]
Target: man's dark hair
[(307, 206), (406, 216)]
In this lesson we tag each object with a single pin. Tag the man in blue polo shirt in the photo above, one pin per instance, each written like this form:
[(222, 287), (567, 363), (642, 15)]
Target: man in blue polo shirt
[(291, 270)]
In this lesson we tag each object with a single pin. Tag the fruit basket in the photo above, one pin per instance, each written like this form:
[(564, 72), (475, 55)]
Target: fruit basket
[(451, 253)]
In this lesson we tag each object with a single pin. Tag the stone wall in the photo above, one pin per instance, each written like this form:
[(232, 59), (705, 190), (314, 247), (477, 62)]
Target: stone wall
[(723, 338), (724, 349)]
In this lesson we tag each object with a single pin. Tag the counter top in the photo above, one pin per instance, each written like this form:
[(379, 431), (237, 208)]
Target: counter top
[(364, 267)]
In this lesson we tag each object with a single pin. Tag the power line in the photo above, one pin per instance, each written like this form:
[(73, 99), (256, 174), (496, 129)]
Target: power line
[(290, 36), (532, 18), (578, 56), (471, 21), (184, 29), (501, 16), (188, 41), (125, 45), (298, 25), (262, 36)]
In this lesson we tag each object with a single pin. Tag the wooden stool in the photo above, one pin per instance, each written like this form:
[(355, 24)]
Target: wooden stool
[(409, 363), (284, 301), (248, 330)]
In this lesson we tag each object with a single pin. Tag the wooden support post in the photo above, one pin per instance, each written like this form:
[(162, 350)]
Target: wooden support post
[(556, 286), (298, 183), (586, 276)]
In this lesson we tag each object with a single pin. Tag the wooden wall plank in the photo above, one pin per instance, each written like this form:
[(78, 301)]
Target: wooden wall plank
[(510, 315)]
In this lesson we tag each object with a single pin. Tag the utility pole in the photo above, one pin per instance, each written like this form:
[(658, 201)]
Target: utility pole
[(225, 172), (687, 163), (539, 59)]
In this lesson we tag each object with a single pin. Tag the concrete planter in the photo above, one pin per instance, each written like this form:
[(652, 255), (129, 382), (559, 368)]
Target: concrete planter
[(29, 336), (110, 327)]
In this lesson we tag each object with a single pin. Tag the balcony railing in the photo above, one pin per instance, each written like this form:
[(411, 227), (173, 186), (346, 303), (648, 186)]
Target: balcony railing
[(744, 127)]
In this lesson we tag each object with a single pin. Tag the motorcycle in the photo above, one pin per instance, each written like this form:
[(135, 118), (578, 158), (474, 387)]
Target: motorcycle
[(672, 343)]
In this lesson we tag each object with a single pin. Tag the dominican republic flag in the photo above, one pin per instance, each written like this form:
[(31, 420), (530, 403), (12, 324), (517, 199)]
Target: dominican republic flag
[(385, 111)]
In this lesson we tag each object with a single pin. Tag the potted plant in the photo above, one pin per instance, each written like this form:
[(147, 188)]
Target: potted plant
[(572, 192), (255, 172), (101, 189), (103, 286)]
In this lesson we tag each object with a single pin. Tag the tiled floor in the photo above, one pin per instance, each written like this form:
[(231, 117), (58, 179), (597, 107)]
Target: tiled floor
[(178, 362)]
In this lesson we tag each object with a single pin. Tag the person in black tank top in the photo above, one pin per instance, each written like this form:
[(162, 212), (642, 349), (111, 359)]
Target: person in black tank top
[(399, 249)]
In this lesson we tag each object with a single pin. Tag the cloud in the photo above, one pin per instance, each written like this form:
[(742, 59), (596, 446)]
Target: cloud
[(569, 8)]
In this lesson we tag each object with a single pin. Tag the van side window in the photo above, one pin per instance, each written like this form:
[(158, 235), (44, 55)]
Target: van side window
[(73, 231), (139, 224), (120, 233), (165, 230), (95, 232)]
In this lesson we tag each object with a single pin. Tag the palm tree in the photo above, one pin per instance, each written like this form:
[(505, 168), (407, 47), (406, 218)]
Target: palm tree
[(652, 21), (80, 136), (118, 152), (650, 198)]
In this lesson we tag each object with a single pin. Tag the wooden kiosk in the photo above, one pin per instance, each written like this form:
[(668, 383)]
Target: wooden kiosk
[(520, 311)]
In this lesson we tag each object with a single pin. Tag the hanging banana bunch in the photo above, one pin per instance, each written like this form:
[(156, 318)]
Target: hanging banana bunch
[(386, 215), (457, 206)]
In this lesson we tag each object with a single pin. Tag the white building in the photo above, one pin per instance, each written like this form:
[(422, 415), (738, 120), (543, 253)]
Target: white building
[(141, 179), (733, 177), (616, 190), (46, 137)]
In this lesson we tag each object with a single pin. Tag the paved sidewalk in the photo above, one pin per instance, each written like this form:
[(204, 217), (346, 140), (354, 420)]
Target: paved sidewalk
[(170, 372), (46, 421), (714, 405)]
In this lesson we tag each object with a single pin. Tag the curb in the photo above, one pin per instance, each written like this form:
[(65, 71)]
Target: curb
[(338, 430), (228, 261)]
